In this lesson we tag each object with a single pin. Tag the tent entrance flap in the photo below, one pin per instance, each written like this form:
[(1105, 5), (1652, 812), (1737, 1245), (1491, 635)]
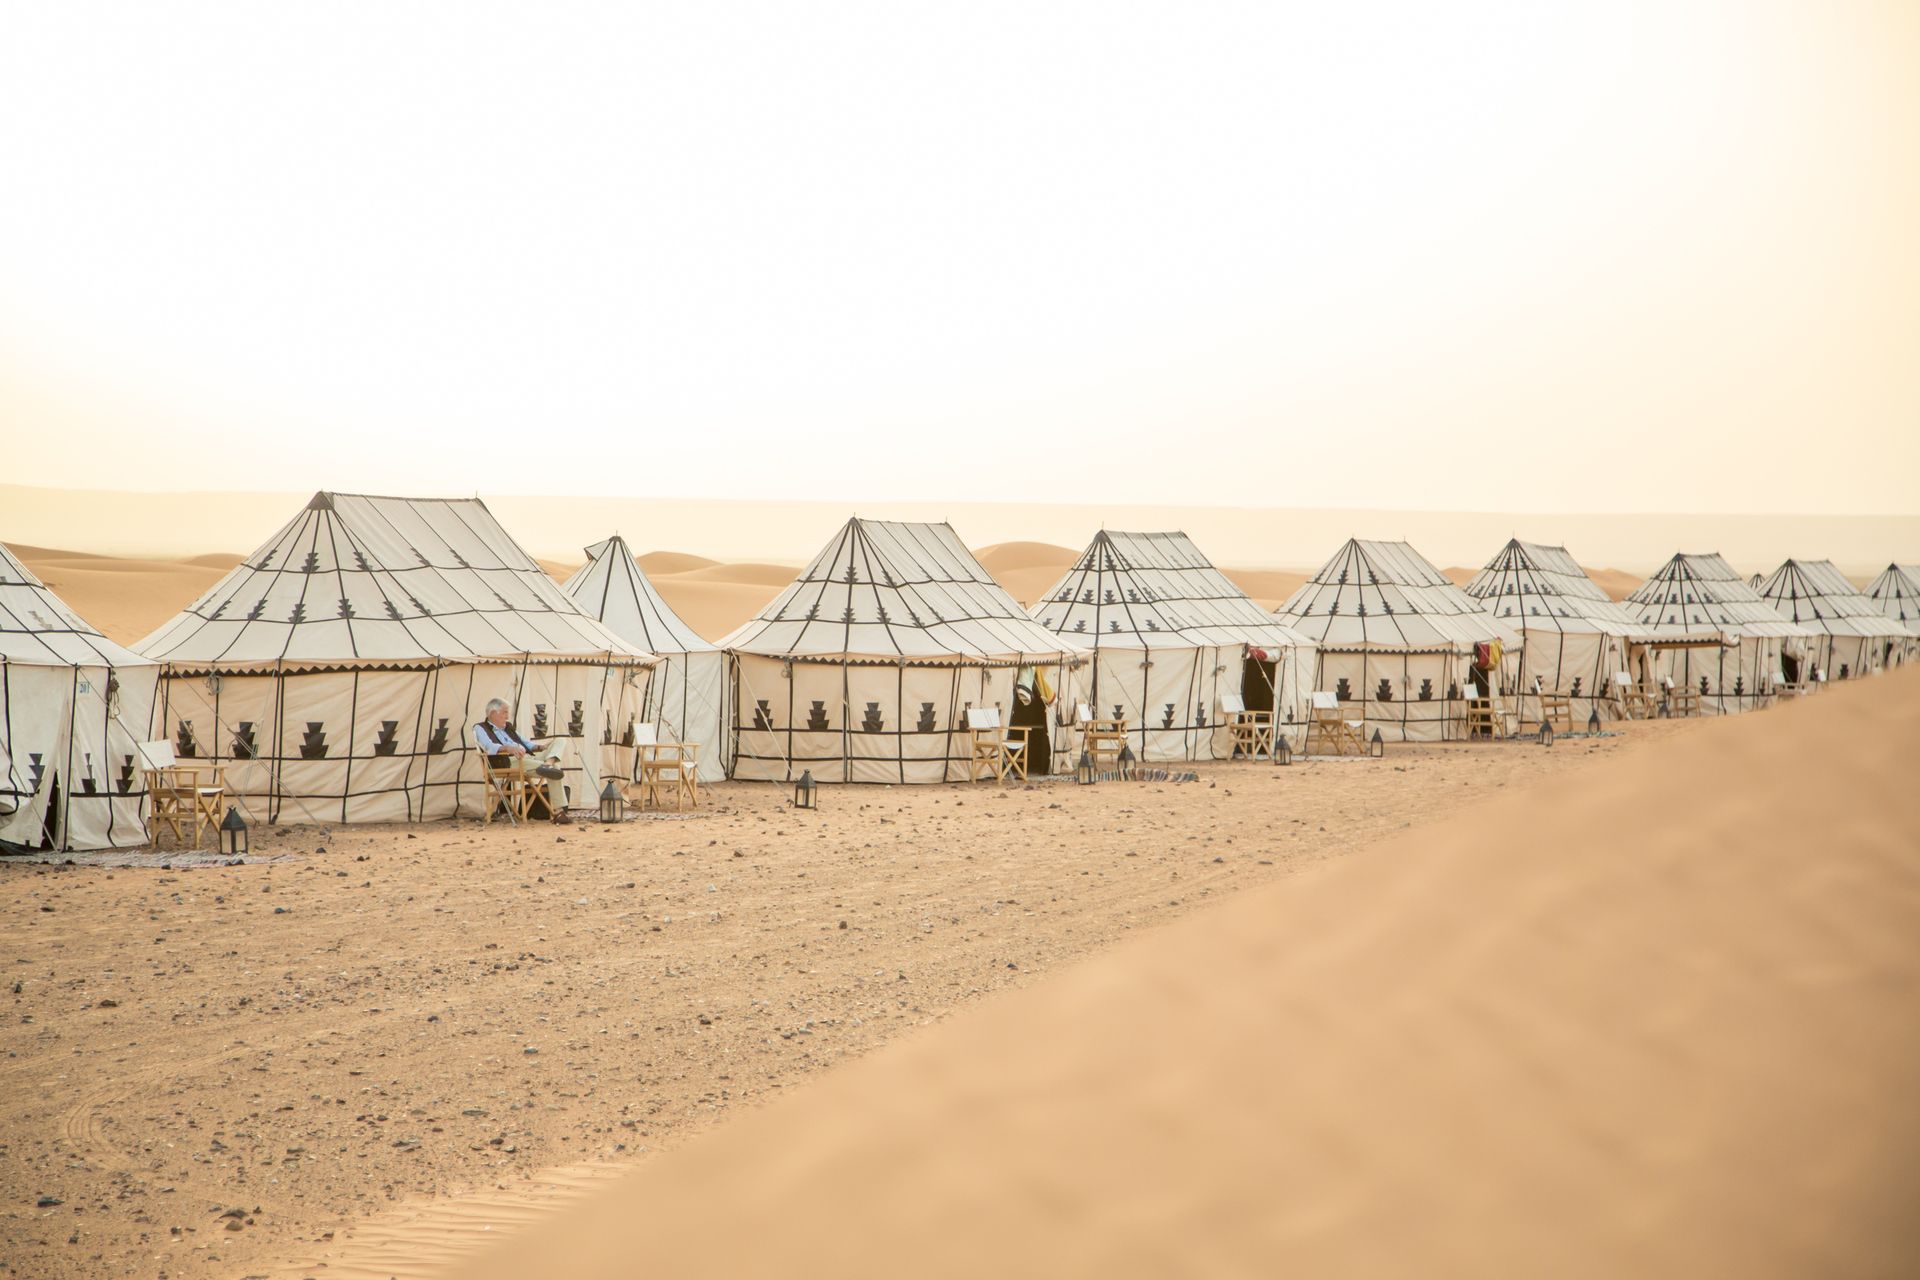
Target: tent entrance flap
[(1030, 713), (1257, 682)]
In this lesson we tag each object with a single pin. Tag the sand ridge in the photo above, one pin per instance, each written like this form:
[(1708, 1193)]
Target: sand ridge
[(1654, 1017), (371, 1025)]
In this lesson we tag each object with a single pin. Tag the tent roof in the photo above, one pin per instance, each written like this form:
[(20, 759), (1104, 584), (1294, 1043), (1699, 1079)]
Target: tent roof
[(612, 587), (361, 581), (37, 628), (1387, 596), (887, 590), (1155, 591), (1535, 587), (1701, 595), (1896, 594), (1815, 594)]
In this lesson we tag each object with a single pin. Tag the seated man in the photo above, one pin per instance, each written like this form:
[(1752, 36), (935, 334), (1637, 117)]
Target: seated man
[(493, 736)]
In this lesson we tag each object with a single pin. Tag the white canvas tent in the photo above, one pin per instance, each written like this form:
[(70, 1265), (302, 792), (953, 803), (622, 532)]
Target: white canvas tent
[(1855, 638), (1170, 635), (1574, 638), (687, 699), (1395, 637), (338, 672), (1712, 633), (1896, 594), (74, 707), (863, 669)]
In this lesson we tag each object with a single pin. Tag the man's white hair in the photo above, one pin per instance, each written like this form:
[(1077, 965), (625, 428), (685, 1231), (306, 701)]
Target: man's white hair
[(496, 704)]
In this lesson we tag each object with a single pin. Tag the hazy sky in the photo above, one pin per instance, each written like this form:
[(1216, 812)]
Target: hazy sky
[(1540, 256)]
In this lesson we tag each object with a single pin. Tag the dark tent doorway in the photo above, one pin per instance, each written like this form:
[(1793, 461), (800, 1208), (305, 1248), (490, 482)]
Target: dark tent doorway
[(1030, 713)]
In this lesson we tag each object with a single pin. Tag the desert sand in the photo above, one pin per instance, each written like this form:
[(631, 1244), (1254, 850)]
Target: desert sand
[(374, 1042), (1651, 1017)]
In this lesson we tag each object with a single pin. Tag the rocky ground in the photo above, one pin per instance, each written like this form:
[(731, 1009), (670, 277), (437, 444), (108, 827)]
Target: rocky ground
[(217, 1070)]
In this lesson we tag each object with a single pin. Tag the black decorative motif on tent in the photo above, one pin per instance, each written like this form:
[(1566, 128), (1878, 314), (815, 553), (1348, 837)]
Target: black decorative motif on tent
[(312, 564), (313, 743), (762, 715), (37, 768), (393, 610), (1576, 686), (184, 745), (299, 613), (421, 560), (873, 721), (266, 561), (1166, 718), (89, 784), (1200, 717), (124, 783), (246, 744), (851, 577), (437, 740), (1080, 624), (219, 609), (1113, 624), (502, 599), (926, 722), (1118, 714), (1386, 606), (1703, 686), (1384, 693), (1426, 690), (883, 614), (1152, 625), (259, 607), (1739, 685), (1453, 691), (577, 722), (817, 717), (419, 608), (1843, 671), (846, 614), (360, 558), (459, 559), (1107, 597), (606, 731), (626, 735), (1342, 691), (346, 608), (388, 741), (539, 720)]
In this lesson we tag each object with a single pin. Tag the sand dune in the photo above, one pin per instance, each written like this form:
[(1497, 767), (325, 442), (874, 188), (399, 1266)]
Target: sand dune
[(1677, 1046), (657, 562), (125, 599), (1617, 583), (1003, 557), (747, 574)]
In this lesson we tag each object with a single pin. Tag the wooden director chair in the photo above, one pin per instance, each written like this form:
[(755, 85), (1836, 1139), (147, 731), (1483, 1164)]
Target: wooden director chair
[(1102, 737), (1635, 703), (1251, 731), (1681, 701), (1328, 726), (508, 787), (663, 771), (181, 794), (1002, 751), (1555, 708)]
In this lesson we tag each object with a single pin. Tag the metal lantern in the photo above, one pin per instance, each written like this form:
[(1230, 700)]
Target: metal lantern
[(806, 792), (1593, 723), (1283, 751), (1546, 734), (233, 834), (613, 805), (1378, 747), (1083, 772), (1665, 710)]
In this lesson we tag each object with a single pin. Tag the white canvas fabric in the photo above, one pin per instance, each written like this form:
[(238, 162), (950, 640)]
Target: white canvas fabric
[(862, 670), (1896, 594), (74, 707), (1712, 633), (687, 697), (1395, 639), (1171, 636), (1574, 638), (1855, 638), (339, 670)]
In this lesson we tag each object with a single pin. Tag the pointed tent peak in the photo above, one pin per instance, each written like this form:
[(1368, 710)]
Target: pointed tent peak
[(606, 546), (321, 501)]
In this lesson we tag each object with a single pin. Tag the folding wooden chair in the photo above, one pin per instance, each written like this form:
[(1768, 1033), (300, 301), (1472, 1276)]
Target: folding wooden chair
[(508, 787), (1251, 731), (1105, 736), (1328, 724), (1555, 708), (181, 793), (1000, 750)]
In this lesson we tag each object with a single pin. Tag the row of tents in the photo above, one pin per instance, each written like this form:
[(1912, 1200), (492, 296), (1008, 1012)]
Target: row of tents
[(337, 672)]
